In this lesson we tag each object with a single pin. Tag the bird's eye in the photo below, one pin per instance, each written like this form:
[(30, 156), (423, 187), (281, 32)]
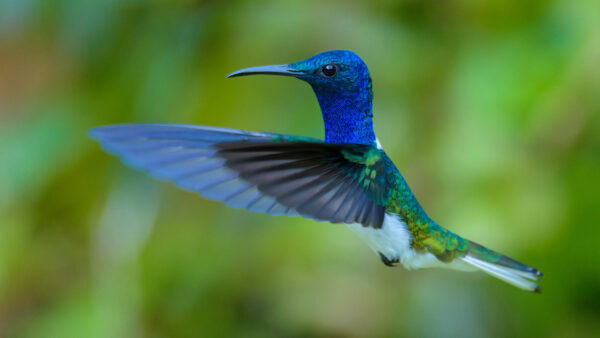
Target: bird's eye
[(329, 69)]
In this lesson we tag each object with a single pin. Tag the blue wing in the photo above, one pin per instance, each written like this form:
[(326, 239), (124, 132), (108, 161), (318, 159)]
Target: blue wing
[(262, 172)]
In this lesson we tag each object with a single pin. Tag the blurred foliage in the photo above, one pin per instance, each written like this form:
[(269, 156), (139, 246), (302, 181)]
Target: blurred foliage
[(491, 109)]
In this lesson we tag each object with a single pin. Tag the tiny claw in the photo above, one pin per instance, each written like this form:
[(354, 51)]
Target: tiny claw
[(387, 261)]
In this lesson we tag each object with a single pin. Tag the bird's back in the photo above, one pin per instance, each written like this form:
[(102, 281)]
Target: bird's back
[(429, 238), (426, 235)]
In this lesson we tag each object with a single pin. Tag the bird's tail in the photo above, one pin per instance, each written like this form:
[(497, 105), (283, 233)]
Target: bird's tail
[(502, 267)]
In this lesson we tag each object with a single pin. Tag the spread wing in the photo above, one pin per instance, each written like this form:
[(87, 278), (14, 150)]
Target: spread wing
[(262, 172)]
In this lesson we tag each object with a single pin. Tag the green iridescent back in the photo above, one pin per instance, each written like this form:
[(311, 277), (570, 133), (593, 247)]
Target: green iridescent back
[(427, 235)]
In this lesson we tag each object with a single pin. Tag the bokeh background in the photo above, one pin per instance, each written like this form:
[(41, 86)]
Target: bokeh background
[(491, 109)]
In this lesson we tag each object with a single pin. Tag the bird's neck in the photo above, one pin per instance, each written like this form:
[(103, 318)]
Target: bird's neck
[(348, 117)]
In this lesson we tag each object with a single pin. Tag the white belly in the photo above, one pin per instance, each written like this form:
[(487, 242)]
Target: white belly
[(393, 241)]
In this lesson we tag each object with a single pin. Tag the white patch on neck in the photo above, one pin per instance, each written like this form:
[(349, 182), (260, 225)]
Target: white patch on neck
[(393, 241), (378, 144)]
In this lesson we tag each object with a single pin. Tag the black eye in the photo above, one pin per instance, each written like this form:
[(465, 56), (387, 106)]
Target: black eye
[(329, 69)]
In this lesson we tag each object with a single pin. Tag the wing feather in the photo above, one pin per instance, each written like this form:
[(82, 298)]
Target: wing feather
[(262, 172)]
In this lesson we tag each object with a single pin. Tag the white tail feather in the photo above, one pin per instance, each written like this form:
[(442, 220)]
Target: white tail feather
[(511, 276)]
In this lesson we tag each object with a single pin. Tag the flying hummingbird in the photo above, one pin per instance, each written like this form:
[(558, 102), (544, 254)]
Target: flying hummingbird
[(345, 178)]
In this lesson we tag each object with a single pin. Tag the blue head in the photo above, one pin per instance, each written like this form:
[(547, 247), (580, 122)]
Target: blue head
[(342, 84)]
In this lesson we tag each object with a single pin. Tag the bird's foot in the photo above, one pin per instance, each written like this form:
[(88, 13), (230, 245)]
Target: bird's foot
[(387, 261)]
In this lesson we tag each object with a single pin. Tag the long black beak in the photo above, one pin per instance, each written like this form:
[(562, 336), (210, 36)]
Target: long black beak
[(273, 70)]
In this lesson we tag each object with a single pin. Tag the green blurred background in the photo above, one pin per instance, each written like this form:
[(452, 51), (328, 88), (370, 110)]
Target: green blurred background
[(491, 109)]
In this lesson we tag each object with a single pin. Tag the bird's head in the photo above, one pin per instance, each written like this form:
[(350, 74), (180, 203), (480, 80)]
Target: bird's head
[(342, 83), (332, 71)]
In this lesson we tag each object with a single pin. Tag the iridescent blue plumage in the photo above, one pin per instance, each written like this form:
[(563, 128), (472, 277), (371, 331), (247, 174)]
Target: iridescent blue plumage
[(346, 178), (346, 103)]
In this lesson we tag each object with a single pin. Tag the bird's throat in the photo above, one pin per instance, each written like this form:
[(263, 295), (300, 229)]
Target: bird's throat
[(348, 117)]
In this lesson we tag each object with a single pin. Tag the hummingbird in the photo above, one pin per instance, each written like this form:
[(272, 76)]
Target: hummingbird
[(346, 178)]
